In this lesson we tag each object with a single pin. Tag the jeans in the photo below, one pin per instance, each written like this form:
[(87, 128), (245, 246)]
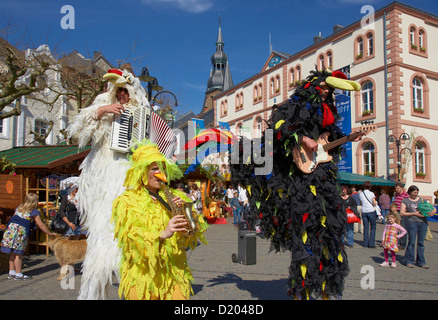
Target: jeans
[(369, 228), (402, 241), (236, 215), (384, 214), (416, 233), (350, 233)]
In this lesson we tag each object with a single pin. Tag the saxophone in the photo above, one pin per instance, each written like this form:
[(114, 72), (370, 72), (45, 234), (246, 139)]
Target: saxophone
[(185, 209)]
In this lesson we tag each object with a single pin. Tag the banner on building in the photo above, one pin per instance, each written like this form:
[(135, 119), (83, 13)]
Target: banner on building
[(343, 105), (224, 126), (198, 125)]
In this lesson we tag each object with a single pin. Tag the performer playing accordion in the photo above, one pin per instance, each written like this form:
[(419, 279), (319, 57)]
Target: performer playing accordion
[(102, 174)]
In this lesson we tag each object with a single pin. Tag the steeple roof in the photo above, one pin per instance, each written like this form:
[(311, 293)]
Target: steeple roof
[(220, 76)]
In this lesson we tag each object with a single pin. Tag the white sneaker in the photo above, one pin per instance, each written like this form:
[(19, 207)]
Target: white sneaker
[(384, 264), (23, 277)]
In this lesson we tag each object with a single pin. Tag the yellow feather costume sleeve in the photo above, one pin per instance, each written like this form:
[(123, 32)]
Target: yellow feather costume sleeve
[(152, 266)]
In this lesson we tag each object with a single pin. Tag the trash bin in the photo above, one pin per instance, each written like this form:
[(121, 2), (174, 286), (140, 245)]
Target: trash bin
[(247, 247)]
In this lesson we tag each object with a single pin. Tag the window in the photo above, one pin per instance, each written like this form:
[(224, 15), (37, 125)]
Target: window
[(298, 73), (421, 39), (330, 59), (360, 47), (367, 99), (368, 159), (272, 84), (258, 131), (321, 62), (257, 93), (239, 130), (239, 101), (419, 160), (224, 107), (412, 36), (417, 95), (291, 77), (41, 127), (417, 41), (275, 85), (364, 47), (370, 40)]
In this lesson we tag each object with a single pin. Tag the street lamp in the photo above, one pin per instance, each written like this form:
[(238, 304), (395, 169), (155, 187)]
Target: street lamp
[(172, 110), (151, 81), (403, 137)]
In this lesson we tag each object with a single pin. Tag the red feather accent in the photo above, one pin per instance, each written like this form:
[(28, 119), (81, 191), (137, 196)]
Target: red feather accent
[(328, 116), (305, 217)]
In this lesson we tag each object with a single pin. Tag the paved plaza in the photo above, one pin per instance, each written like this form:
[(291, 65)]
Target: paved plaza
[(217, 277)]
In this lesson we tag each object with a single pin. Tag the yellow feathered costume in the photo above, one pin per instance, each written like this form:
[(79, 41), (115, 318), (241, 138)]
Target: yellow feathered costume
[(150, 268)]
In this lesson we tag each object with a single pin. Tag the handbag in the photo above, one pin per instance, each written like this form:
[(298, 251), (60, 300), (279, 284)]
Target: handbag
[(58, 225), (351, 216), (376, 207)]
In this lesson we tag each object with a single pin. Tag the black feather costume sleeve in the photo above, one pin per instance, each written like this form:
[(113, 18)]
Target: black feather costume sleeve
[(300, 212)]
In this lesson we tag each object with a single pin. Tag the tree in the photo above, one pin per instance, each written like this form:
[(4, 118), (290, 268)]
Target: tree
[(22, 74)]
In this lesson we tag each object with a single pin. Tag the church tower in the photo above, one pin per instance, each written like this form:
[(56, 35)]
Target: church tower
[(220, 74)]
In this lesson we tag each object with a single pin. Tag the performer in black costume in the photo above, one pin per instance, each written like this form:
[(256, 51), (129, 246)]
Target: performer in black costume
[(302, 212)]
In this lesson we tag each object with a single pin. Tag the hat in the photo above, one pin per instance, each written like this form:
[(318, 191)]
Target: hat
[(144, 154)]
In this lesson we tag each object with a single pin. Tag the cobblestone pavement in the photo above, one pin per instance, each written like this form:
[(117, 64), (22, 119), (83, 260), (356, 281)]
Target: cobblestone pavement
[(216, 277)]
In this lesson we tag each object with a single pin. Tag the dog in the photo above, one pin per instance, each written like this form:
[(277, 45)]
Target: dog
[(67, 252)]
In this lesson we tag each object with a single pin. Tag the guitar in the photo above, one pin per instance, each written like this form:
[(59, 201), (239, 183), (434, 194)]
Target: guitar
[(307, 160)]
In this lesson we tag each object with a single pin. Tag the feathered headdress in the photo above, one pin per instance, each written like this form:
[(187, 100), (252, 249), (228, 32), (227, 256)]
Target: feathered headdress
[(144, 154)]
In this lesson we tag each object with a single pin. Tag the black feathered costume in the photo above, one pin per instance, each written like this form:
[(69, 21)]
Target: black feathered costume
[(302, 212)]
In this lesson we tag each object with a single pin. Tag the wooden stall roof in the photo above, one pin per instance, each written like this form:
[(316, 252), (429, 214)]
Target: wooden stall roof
[(44, 157)]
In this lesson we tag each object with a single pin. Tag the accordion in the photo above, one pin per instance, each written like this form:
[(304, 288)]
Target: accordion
[(135, 124)]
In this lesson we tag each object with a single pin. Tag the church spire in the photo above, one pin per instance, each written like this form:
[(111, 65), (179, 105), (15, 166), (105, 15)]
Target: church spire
[(220, 77)]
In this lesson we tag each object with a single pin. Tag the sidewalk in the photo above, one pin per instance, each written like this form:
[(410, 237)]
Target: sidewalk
[(216, 277)]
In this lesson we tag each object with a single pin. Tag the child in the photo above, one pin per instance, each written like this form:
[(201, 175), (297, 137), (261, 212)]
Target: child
[(393, 209), (235, 204), (18, 230), (390, 236)]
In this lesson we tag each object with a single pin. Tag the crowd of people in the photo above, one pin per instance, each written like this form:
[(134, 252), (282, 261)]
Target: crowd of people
[(405, 220)]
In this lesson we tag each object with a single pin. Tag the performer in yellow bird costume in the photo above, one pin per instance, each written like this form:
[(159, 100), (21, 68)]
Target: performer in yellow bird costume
[(154, 262)]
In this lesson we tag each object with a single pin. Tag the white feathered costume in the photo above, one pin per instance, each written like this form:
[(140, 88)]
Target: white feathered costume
[(101, 180)]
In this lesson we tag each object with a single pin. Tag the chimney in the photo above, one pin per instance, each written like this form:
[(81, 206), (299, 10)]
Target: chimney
[(337, 28), (317, 38)]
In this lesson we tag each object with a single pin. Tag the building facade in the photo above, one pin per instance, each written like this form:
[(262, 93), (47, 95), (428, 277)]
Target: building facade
[(394, 58)]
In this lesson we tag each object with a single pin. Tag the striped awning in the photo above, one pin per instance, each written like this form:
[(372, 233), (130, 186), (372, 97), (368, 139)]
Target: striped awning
[(44, 157)]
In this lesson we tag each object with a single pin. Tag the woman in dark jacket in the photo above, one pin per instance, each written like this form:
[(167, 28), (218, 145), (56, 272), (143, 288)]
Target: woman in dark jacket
[(69, 213)]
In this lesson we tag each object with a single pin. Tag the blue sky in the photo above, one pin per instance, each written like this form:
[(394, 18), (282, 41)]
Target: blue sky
[(176, 38)]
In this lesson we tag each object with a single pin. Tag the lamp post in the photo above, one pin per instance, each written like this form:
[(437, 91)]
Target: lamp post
[(403, 137), (172, 110), (151, 81)]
